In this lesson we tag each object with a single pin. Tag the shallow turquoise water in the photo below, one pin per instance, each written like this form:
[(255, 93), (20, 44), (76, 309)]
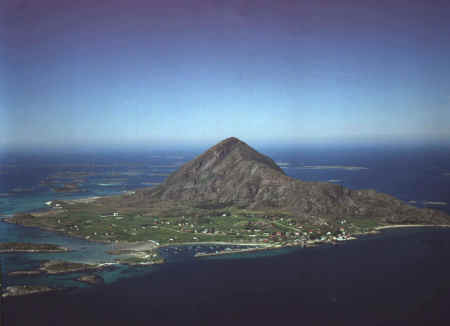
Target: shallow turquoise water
[(81, 250)]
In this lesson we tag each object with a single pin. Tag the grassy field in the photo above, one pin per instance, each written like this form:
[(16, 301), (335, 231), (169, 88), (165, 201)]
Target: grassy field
[(180, 223)]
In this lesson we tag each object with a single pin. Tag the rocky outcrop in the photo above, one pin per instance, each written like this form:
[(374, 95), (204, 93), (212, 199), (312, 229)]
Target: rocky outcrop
[(61, 267), (22, 247), (91, 279), (18, 290)]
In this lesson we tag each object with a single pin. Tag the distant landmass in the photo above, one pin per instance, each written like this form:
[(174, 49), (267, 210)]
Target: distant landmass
[(332, 167)]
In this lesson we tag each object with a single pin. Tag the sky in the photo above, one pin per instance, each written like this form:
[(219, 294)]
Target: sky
[(148, 73)]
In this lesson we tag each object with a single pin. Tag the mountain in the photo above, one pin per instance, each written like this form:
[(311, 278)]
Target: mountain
[(232, 173)]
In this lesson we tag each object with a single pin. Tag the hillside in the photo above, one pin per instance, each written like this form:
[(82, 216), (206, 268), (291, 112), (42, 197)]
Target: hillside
[(232, 173)]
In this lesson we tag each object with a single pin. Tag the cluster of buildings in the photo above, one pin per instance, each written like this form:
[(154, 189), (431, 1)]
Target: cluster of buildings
[(270, 230)]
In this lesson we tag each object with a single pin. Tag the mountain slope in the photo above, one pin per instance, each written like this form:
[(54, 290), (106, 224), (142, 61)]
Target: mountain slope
[(232, 172), (229, 171)]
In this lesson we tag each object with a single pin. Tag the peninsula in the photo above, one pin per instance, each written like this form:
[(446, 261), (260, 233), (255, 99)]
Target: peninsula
[(231, 193)]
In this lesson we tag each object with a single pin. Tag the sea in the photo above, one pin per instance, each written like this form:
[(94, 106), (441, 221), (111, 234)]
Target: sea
[(396, 277)]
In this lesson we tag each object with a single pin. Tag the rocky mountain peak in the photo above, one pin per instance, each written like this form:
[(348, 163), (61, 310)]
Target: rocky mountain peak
[(224, 160), (229, 171)]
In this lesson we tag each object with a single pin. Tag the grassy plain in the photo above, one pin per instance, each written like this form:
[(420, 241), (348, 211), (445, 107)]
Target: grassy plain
[(182, 223)]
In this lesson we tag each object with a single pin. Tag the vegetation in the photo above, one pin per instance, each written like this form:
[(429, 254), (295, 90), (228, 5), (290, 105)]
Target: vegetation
[(221, 223), (58, 266), (364, 223)]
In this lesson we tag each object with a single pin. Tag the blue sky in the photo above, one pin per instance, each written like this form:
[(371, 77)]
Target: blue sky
[(147, 73)]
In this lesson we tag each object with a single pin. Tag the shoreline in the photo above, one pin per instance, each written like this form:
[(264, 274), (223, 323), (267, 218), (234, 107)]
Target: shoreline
[(219, 243), (397, 226), (151, 244), (144, 245), (59, 231), (254, 247), (148, 245)]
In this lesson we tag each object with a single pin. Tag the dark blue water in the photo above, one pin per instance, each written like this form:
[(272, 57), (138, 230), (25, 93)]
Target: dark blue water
[(400, 277), (408, 173), (397, 278)]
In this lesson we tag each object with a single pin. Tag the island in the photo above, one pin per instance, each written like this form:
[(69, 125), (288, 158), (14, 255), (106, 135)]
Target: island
[(235, 195), (25, 273), (52, 267), (22, 247), (333, 167), (18, 290), (91, 279), (62, 267)]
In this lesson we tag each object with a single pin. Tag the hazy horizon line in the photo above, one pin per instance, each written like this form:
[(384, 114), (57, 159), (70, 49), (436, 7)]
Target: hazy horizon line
[(205, 144)]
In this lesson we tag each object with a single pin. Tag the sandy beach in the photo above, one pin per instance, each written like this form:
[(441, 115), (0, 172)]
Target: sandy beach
[(393, 226)]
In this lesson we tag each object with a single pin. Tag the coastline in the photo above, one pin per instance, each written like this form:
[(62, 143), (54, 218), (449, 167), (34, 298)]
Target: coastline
[(59, 231), (139, 248), (136, 250), (224, 243), (145, 245), (396, 226)]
